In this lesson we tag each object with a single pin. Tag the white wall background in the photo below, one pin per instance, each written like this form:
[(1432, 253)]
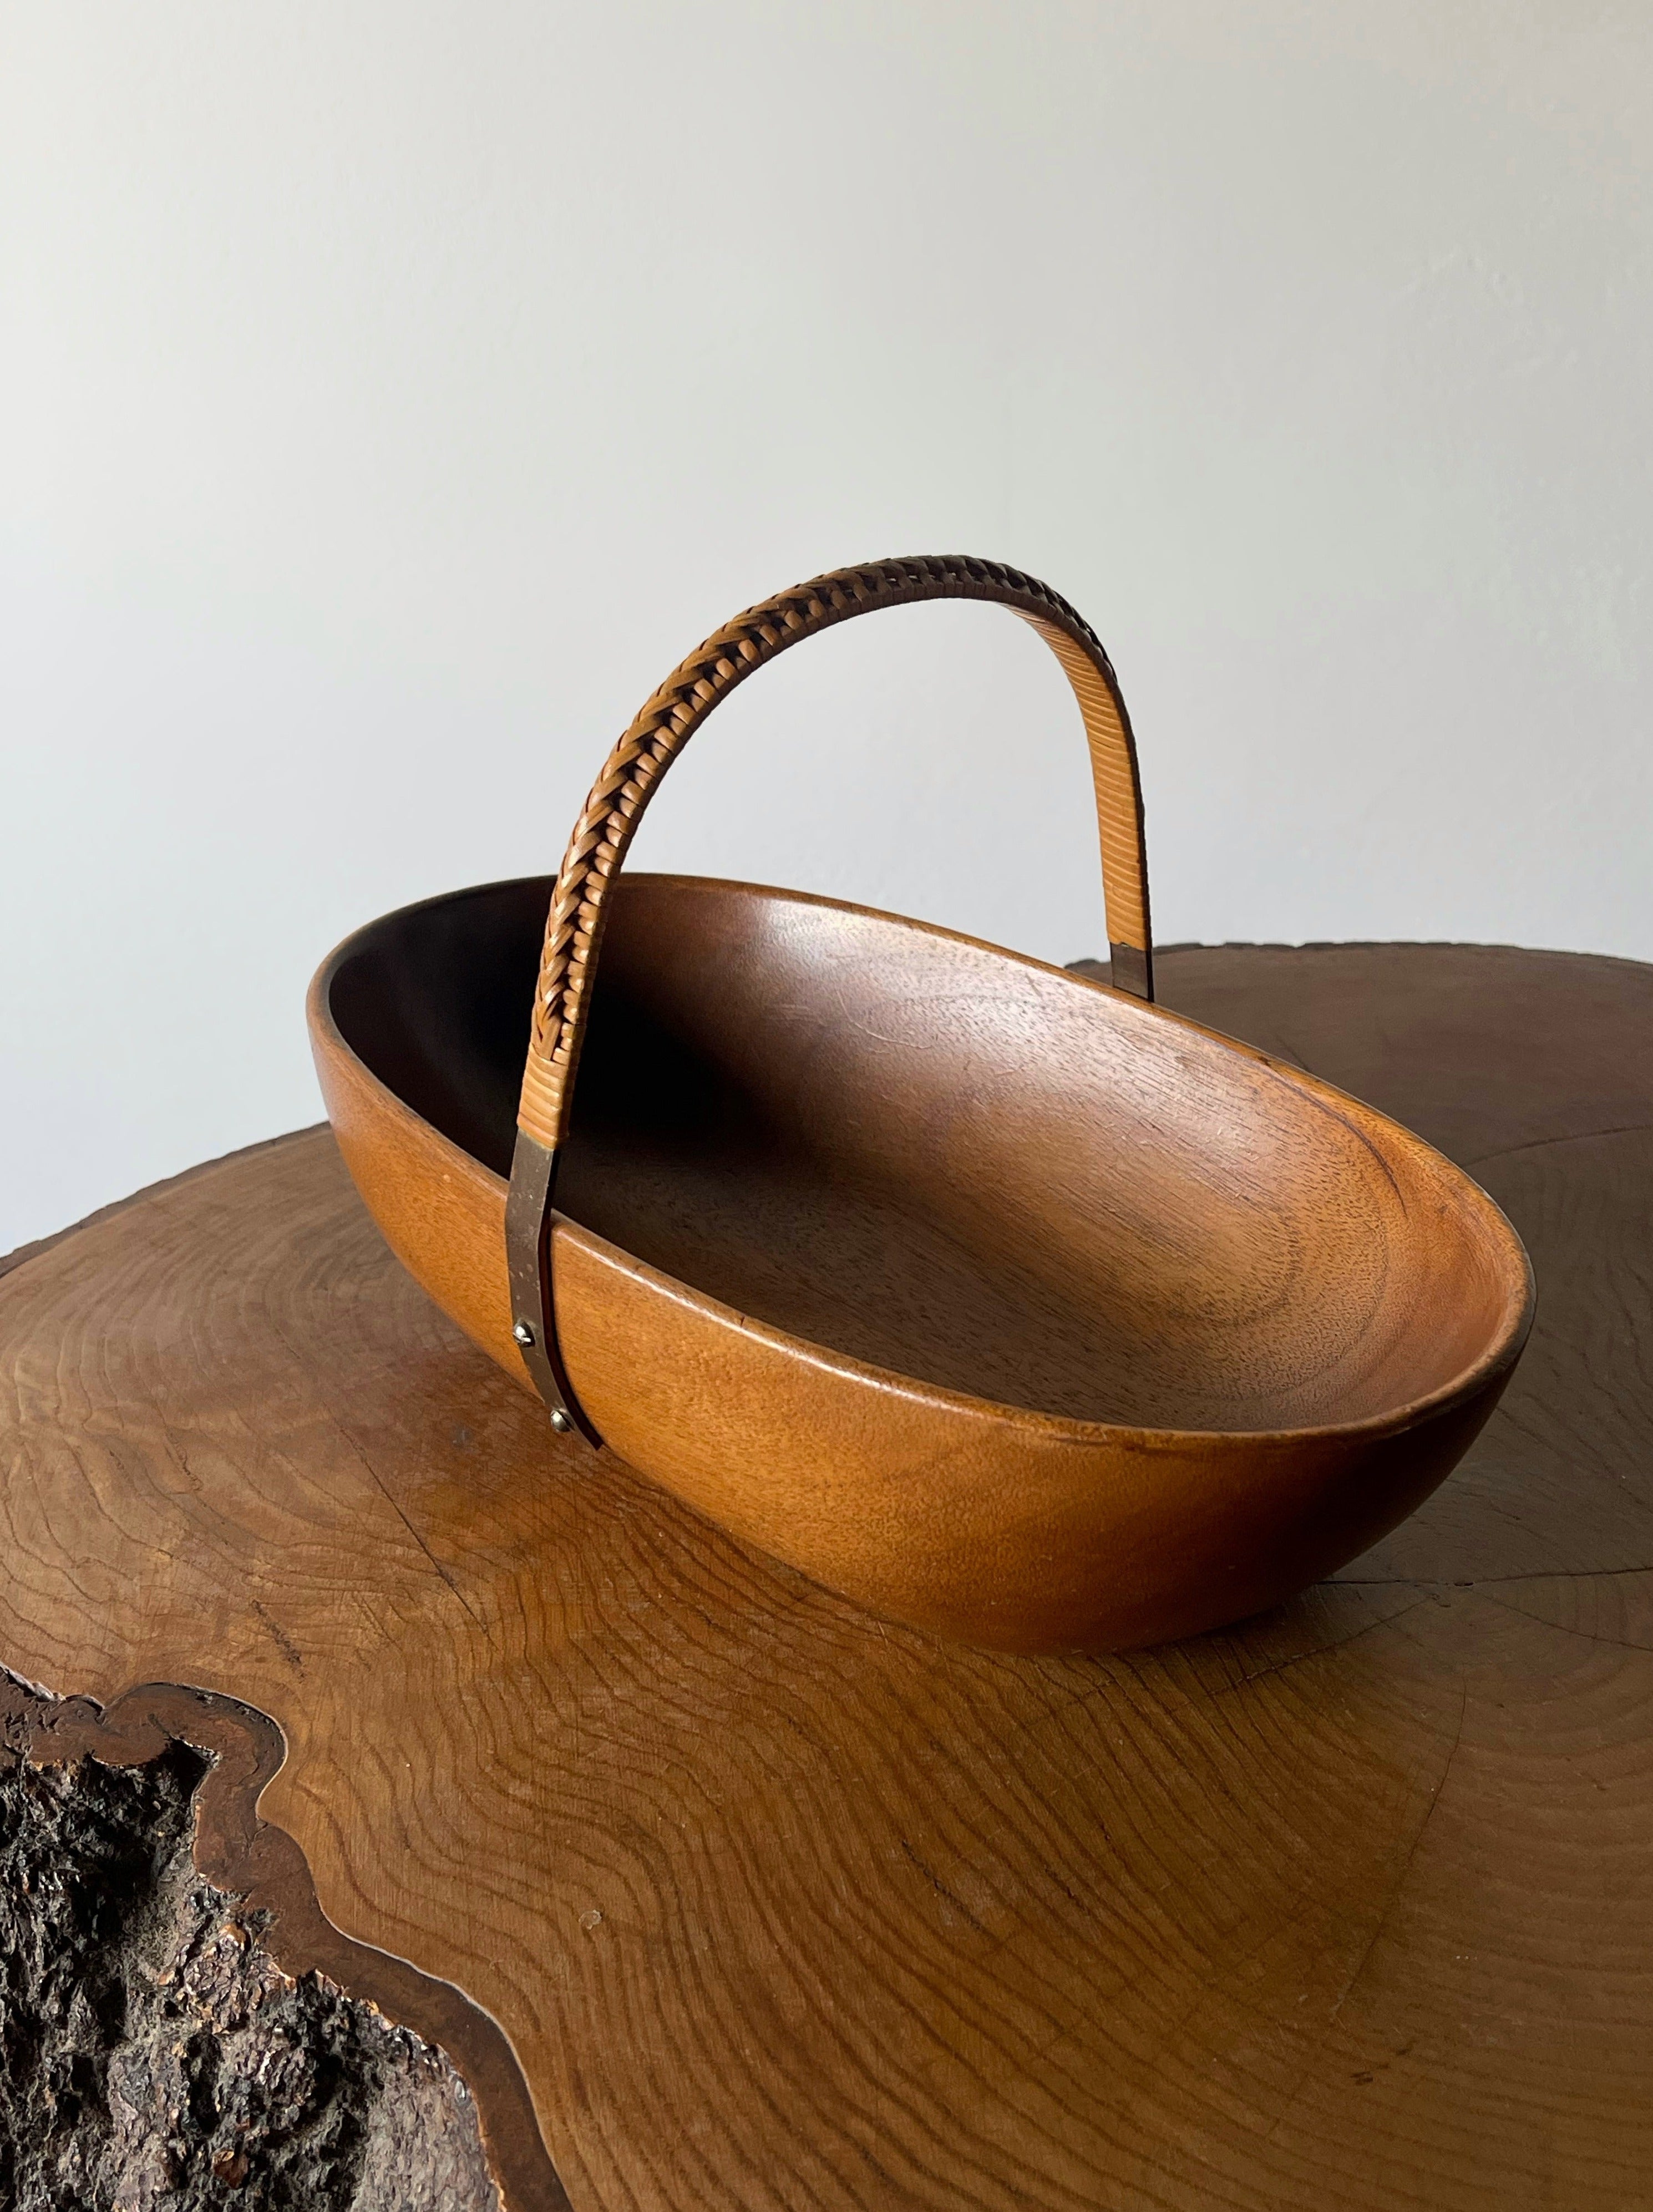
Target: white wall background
[(390, 393)]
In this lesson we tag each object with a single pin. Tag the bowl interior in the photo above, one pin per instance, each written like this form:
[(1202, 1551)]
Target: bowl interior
[(950, 1163)]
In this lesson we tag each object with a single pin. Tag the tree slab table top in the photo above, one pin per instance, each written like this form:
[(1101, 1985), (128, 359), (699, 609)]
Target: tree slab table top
[(721, 1893)]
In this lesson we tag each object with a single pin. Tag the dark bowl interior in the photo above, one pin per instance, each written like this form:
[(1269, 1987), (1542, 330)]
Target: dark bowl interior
[(939, 1160)]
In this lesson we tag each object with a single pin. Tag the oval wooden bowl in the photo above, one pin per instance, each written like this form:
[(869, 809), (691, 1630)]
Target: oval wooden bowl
[(1003, 1302)]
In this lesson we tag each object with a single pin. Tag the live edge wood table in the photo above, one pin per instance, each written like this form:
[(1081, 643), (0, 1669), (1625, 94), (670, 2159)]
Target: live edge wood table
[(725, 1894)]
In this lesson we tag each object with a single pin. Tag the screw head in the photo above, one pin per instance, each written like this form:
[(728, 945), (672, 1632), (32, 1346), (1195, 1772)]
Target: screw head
[(522, 1334), (561, 1422)]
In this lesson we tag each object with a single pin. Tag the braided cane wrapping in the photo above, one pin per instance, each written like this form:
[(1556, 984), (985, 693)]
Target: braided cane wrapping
[(632, 772)]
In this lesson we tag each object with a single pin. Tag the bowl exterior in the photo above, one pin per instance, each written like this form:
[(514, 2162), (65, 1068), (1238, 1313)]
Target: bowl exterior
[(974, 1522)]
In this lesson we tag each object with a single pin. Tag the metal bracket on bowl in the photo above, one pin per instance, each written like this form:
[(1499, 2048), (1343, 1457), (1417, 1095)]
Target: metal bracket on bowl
[(533, 1309), (1132, 970)]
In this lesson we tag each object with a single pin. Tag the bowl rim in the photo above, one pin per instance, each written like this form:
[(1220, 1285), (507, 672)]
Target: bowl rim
[(1503, 1348)]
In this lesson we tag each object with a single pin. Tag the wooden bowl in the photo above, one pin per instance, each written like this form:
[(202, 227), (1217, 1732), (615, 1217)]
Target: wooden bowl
[(1005, 1302)]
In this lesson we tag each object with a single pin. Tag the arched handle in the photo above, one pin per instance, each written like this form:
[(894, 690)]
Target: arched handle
[(596, 851)]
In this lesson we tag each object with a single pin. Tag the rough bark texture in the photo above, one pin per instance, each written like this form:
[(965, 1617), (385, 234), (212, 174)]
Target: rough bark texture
[(153, 2058)]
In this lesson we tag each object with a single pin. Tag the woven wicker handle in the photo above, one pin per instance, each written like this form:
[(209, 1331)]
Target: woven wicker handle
[(632, 772)]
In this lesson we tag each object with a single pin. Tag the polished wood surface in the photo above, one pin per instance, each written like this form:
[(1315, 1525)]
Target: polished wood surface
[(783, 1905), (996, 1300)]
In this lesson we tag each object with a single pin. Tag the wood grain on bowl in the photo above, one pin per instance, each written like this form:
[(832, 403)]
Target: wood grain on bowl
[(1007, 1303)]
